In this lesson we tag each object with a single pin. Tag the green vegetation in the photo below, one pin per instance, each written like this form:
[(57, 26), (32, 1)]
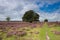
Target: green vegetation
[(46, 20), (37, 33), (30, 16), (8, 19)]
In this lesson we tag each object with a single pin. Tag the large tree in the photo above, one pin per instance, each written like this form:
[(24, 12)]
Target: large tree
[(30, 16)]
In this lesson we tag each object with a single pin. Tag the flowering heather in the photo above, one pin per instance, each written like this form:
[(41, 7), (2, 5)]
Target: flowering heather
[(29, 31), (9, 34), (56, 32), (21, 33), (33, 25)]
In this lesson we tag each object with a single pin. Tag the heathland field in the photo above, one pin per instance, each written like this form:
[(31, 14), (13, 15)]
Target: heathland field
[(31, 33)]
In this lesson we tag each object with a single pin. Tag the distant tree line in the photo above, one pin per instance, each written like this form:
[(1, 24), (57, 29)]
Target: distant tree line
[(29, 16)]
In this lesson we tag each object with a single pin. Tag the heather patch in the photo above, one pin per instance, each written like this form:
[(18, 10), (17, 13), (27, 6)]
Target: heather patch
[(31, 32)]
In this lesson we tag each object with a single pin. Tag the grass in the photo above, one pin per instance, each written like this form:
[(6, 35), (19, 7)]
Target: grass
[(42, 33), (32, 35)]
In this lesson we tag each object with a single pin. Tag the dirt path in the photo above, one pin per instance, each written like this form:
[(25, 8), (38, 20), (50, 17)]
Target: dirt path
[(47, 37)]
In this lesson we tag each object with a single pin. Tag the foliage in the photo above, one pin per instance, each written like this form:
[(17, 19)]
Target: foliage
[(30, 16), (8, 19), (46, 20), (27, 33)]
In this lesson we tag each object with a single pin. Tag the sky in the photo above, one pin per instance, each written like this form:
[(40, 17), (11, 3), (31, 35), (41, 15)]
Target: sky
[(15, 9)]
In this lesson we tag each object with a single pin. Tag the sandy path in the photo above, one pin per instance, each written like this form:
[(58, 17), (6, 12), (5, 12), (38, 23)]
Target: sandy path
[(47, 37)]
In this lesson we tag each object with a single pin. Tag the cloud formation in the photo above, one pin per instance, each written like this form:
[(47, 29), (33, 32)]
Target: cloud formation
[(15, 9)]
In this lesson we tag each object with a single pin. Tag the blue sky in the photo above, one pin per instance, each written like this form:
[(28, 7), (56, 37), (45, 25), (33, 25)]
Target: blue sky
[(15, 9)]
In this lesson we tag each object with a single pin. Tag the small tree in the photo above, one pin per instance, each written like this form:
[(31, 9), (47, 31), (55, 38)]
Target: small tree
[(8, 19), (46, 20), (30, 16)]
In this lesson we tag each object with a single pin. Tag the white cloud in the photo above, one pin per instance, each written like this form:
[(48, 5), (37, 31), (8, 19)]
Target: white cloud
[(16, 8)]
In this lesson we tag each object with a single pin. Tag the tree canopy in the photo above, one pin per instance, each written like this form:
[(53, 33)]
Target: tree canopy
[(46, 20), (30, 16), (8, 19)]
